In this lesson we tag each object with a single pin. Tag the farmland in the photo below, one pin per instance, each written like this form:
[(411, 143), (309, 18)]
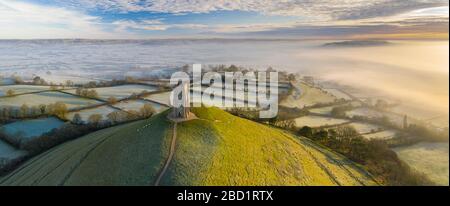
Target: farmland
[(364, 111), (8, 153), (138, 104), (47, 98), (364, 128), (322, 110), (305, 95), (6, 81), (86, 113), (318, 121), (28, 129), (387, 134), (162, 98), (20, 89), (338, 94), (432, 159), (121, 92)]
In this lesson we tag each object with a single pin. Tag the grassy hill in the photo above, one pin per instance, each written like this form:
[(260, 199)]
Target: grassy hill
[(216, 149)]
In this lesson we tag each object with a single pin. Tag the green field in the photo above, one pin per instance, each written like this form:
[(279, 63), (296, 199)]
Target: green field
[(46, 98), (217, 149), (432, 159)]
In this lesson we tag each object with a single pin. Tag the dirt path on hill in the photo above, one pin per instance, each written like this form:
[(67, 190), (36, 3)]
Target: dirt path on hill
[(171, 153)]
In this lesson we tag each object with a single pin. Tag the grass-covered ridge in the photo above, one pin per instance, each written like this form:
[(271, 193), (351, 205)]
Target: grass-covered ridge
[(221, 149)]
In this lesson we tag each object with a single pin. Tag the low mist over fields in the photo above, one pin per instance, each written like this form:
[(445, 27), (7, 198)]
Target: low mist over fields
[(414, 72)]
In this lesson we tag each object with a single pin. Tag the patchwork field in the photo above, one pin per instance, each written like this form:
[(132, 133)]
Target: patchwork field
[(47, 98), (86, 113), (318, 121), (25, 130), (432, 159), (305, 95), (121, 92), (138, 104), (20, 89)]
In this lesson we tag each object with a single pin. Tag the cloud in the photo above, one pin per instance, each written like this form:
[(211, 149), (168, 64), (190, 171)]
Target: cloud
[(153, 25), (24, 20), (76, 19), (310, 9)]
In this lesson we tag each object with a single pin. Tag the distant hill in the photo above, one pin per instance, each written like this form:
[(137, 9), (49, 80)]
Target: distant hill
[(364, 43), (216, 149)]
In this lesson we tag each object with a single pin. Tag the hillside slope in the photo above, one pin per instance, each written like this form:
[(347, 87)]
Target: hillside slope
[(216, 149)]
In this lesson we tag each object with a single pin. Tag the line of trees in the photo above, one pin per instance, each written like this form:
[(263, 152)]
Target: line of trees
[(374, 155), (10, 113)]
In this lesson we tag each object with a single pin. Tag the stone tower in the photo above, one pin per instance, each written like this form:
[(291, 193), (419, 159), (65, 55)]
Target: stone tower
[(183, 112)]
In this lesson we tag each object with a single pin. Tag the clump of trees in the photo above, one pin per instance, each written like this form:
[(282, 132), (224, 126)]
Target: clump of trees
[(340, 111), (10, 92), (89, 93), (374, 155)]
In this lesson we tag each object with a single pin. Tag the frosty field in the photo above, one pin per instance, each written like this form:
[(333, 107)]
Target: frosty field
[(317, 121), (162, 98), (363, 128), (20, 89), (9, 153), (6, 81), (86, 113), (28, 129), (305, 95), (364, 111), (338, 94), (322, 110), (121, 92), (431, 159), (387, 134), (46, 98), (138, 104)]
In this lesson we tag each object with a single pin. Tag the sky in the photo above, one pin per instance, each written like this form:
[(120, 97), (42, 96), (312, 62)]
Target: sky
[(302, 19)]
